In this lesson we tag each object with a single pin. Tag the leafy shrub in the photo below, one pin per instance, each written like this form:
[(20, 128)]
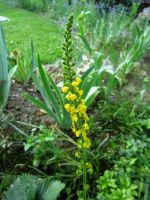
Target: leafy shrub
[(129, 177), (115, 186), (41, 145)]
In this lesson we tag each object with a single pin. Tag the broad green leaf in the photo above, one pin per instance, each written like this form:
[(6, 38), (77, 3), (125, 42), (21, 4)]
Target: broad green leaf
[(91, 95), (54, 190)]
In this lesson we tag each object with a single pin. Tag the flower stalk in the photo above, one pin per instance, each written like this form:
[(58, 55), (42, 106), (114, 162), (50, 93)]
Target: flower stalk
[(75, 106)]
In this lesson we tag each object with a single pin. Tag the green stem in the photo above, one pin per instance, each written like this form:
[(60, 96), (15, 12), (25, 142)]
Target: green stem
[(17, 129), (84, 173)]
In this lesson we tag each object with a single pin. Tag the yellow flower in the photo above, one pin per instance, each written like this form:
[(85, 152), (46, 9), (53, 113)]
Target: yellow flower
[(87, 143), (74, 117), (76, 89), (73, 129), (78, 79), (78, 133), (72, 97), (67, 107), (86, 118), (64, 89), (73, 109), (85, 126), (90, 168), (84, 135), (74, 83), (78, 154), (82, 108), (68, 97), (80, 92)]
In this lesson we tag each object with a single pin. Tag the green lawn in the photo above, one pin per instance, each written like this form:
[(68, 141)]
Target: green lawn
[(24, 25)]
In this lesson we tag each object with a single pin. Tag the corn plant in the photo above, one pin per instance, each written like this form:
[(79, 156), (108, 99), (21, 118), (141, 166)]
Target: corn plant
[(5, 75)]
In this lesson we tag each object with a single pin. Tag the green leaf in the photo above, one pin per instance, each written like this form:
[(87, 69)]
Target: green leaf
[(3, 57), (40, 104), (49, 190), (53, 190), (91, 95), (5, 76), (57, 92), (85, 77), (48, 90)]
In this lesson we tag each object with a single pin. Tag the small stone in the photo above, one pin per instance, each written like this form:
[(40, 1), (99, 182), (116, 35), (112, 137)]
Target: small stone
[(3, 19)]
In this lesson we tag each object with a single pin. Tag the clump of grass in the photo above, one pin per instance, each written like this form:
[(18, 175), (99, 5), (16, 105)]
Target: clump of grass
[(33, 5)]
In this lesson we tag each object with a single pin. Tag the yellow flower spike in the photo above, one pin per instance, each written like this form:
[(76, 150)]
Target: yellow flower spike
[(64, 89), (67, 107), (72, 97)]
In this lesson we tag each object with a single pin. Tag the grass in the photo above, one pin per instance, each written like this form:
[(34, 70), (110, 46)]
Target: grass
[(24, 25)]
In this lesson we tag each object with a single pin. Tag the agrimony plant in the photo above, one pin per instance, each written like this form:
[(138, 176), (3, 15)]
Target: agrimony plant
[(76, 106), (5, 74), (54, 100)]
